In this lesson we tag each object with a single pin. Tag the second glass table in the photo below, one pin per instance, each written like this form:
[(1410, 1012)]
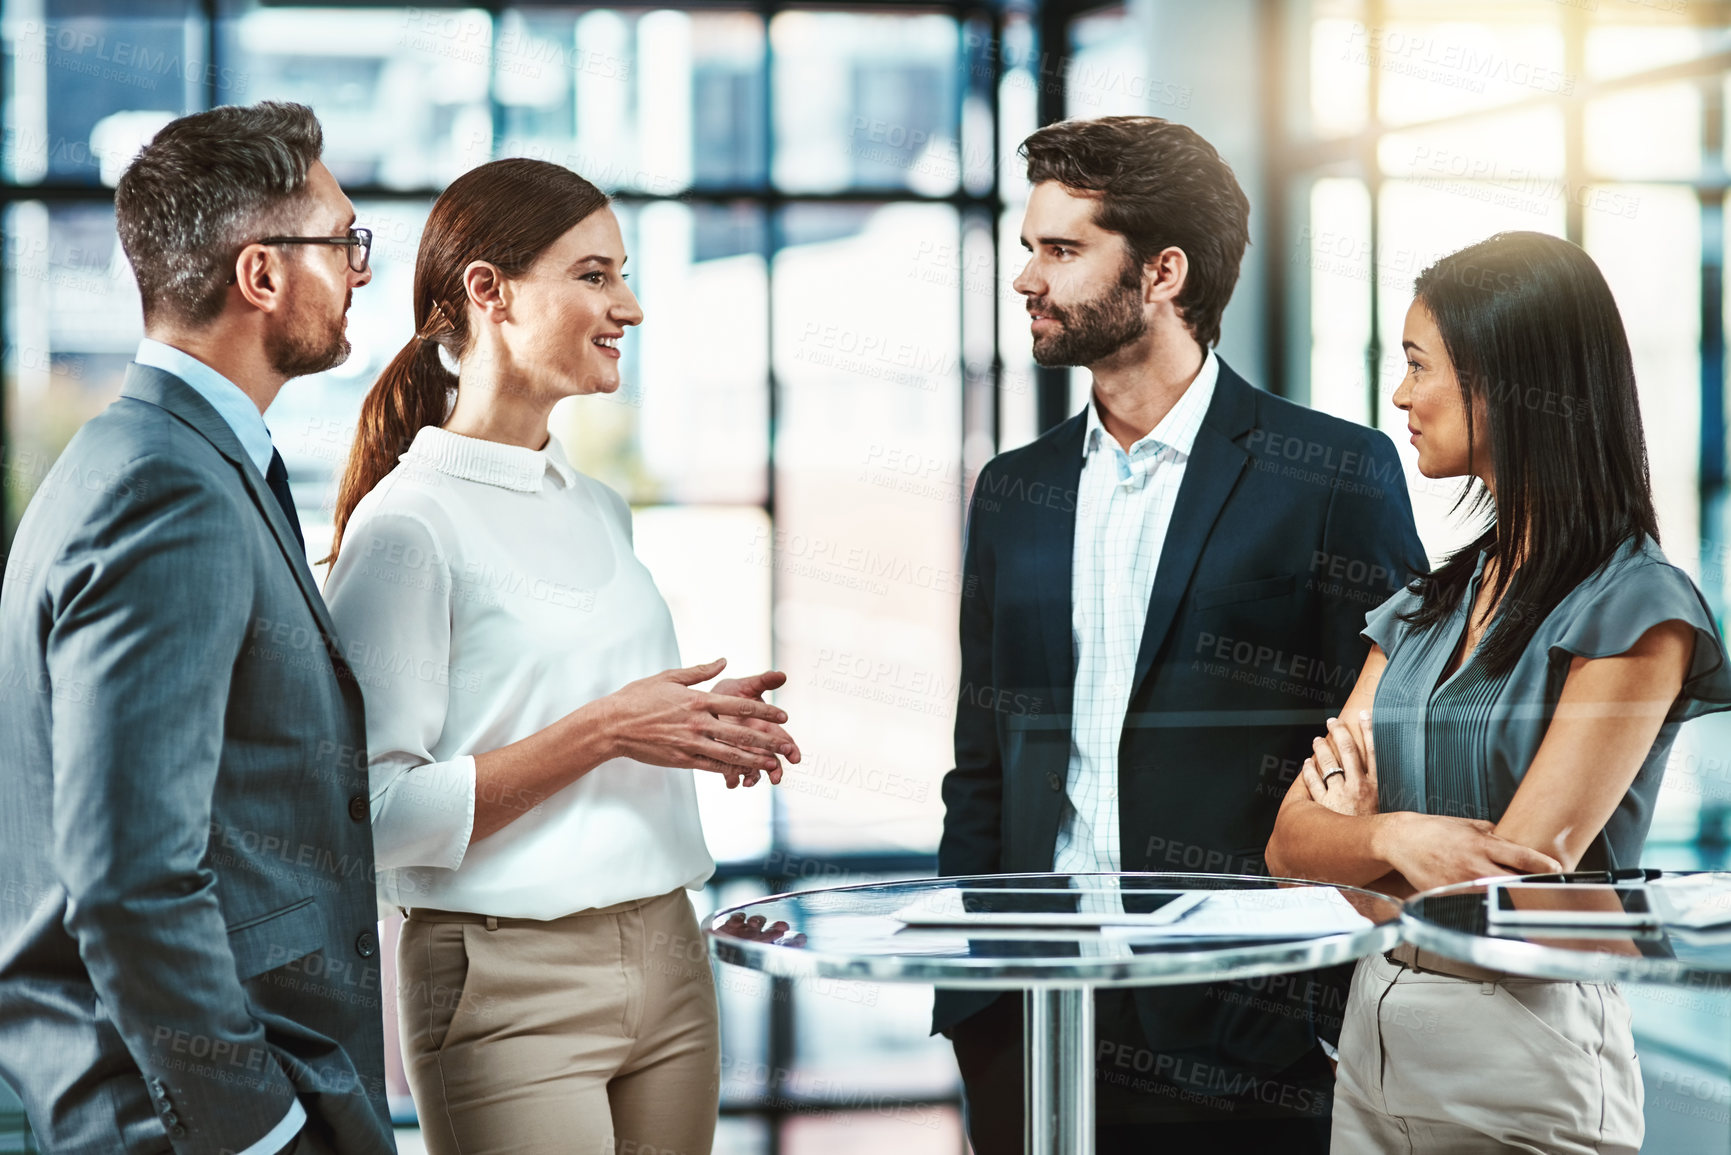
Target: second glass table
[(1453, 921)]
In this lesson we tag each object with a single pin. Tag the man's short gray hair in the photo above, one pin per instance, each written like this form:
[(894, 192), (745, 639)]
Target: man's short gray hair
[(205, 187)]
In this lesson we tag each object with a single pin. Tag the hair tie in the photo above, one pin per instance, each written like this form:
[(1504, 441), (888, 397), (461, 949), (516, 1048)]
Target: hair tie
[(437, 325)]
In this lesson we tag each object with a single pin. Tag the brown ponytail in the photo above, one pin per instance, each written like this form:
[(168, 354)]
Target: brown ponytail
[(507, 213), (413, 392)]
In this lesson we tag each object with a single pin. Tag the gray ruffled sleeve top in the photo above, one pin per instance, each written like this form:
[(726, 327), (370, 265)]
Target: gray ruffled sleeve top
[(1461, 745)]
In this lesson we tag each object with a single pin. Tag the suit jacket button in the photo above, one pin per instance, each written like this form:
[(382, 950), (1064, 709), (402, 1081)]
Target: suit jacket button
[(358, 809), (367, 945), (177, 1131), (1055, 782)]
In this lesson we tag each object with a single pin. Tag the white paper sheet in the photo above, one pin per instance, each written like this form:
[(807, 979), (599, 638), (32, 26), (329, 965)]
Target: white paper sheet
[(1290, 912), (1695, 901)]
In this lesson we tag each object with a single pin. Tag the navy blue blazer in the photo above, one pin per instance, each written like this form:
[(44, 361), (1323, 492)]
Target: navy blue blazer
[(1289, 527)]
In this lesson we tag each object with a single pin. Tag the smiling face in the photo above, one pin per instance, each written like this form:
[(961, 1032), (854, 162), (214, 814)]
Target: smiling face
[(1430, 395), (1084, 290), (568, 311)]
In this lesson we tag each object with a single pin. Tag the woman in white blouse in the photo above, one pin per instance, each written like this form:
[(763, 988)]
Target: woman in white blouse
[(529, 744)]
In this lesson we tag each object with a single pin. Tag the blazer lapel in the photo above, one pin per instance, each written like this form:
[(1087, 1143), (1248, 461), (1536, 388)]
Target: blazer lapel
[(1051, 542), (166, 391), (1216, 460)]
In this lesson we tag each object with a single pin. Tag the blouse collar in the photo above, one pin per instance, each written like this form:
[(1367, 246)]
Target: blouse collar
[(490, 462)]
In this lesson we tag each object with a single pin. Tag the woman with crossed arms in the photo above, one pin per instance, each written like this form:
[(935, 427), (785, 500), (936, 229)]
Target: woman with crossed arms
[(1514, 715)]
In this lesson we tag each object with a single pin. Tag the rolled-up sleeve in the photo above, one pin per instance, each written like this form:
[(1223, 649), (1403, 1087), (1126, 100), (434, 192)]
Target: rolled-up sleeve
[(390, 593)]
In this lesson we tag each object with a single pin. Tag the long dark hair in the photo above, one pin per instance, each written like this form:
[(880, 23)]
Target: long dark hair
[(505, 212), (1537, 342)]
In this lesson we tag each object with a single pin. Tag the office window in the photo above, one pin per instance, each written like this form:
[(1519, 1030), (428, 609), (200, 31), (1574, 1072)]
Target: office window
[(71, 327), (118, 76), (402, 93), (866, 102)]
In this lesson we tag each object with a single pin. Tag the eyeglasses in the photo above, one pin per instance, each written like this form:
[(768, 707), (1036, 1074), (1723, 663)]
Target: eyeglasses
[(359, 242)]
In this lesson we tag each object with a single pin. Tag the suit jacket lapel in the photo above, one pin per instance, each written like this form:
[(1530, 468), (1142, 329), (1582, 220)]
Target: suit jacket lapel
[(166, 391), (1052, 540), (1216, 460)]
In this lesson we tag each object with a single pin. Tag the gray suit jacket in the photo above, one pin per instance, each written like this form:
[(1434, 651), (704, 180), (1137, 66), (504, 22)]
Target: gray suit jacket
[(187, 922)]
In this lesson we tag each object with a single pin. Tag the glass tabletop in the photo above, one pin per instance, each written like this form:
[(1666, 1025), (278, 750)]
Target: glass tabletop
[(1454, 921), (1026, 931)]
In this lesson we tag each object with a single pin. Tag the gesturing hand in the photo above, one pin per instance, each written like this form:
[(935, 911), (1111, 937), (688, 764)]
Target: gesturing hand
[(1337, 775), (662, 721), (755, 687)]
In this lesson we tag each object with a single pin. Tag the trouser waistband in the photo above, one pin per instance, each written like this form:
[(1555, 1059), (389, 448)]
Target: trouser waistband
[(1430, 962), (494, 922)]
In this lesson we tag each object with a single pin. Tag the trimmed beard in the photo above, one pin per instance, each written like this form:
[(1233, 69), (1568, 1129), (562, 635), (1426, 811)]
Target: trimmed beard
[(1094, 330), (304, 345)]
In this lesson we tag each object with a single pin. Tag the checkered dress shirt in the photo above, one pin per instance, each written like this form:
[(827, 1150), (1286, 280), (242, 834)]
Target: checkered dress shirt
[(1123, 506)]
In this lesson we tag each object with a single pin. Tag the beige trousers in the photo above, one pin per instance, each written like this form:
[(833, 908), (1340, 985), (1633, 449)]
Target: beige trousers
[(1442, 1066), (593, 1034)]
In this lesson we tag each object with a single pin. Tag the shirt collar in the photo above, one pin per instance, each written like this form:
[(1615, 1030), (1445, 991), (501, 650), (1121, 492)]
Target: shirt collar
[(490, 462), (1177, 430), (231, 404)]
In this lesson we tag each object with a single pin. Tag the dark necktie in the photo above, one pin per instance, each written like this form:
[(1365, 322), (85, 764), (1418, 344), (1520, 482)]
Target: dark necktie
[(277, 478)]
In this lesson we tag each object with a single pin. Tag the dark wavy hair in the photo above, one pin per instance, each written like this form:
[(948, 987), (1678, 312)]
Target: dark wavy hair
[(1539, 349), (1159, 185)]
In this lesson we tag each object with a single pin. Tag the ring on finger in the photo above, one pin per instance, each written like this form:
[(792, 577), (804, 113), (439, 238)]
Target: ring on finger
[(1331, 772)]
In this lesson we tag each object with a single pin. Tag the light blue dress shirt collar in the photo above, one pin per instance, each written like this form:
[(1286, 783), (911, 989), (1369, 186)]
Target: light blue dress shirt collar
[(232, 405)]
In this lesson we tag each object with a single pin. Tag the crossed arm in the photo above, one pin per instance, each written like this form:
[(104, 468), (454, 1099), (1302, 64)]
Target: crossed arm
[(1609, 713)]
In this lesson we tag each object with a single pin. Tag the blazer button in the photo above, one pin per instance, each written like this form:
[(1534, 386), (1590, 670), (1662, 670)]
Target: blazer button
[(358, 809), (367, 945), (1055, 782), (177, 1131)]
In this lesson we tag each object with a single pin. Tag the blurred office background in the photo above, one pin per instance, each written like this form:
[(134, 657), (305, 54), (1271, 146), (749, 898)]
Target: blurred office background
[(821, 203)]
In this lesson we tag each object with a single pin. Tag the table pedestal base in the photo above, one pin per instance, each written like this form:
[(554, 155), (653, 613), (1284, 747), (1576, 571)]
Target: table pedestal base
[(1058, 1081)]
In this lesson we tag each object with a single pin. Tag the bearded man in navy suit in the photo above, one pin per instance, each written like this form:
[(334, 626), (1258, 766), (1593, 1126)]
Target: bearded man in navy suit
[(1179, 575)]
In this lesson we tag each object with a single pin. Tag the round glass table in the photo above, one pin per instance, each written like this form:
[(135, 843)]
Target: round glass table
[(1057, 937), (1454, 921)]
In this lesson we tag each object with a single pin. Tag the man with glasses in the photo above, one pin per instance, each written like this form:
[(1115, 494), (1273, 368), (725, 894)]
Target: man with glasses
[(188, 946)]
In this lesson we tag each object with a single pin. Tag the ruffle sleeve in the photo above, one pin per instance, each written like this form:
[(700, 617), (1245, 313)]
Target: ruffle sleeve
[(1384, 624), (1613, 618)]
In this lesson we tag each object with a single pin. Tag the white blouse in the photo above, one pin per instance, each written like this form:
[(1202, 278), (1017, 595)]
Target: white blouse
[(483, 592)]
